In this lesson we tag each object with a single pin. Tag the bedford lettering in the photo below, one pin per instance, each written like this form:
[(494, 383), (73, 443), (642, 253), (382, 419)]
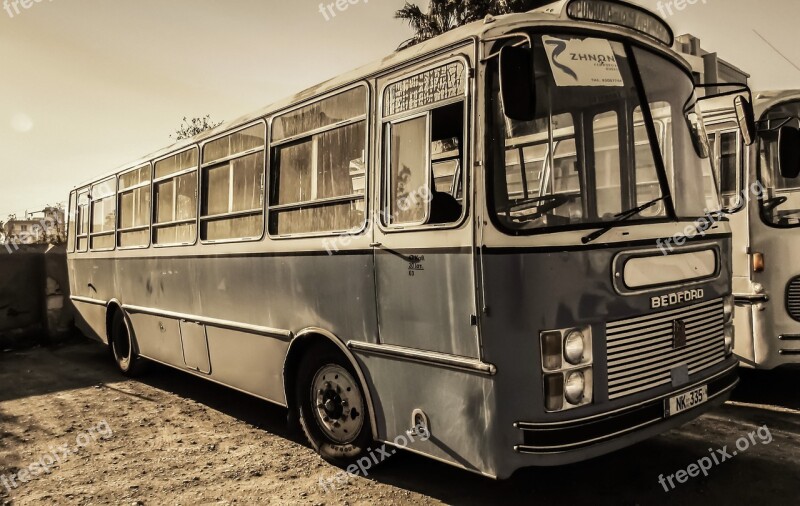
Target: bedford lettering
[(673, 299)]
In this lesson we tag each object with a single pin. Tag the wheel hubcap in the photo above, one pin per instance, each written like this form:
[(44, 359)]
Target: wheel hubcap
[(339, 406)]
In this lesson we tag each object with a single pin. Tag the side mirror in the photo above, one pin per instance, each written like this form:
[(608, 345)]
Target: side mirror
[(517, 84), (789, 152), (746, 119)]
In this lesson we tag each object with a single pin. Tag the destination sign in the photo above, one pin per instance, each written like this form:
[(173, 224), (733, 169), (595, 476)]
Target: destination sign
[(425, 89)]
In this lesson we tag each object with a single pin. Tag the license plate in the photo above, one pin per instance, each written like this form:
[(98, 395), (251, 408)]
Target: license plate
[(686, 400)]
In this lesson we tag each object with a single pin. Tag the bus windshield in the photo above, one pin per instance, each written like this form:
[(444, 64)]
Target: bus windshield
[(590, 156), (781, 204)]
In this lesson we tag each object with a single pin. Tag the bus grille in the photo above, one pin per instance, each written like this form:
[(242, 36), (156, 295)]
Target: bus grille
[(793, 298), (641, 350)]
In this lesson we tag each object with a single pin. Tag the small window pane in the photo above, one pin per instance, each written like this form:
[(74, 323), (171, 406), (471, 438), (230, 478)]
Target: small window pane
[(239, 142), (345, 106), (105, 241), (175, 234), (103, 215), (165, 201), (340, 155), (607, 164), (331, 218), (186, 197), (408, 172), (134, 238), (243, 227), (216, 198), (72, 213), (292, 177), (135, 177), (177, 163), (247, 190)]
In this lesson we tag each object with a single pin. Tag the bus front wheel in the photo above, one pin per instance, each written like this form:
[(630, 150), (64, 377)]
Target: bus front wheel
[(332, 408), (122, 346)]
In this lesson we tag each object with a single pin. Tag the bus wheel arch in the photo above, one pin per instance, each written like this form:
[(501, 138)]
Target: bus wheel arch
[(315, 338), (119, 329)]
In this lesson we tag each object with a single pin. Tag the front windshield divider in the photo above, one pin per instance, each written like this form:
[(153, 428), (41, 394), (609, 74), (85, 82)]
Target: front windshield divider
[(658, 158)]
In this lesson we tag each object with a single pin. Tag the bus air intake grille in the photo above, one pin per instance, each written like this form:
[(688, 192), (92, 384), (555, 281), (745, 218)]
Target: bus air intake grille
[(642, 351), (793, 298)]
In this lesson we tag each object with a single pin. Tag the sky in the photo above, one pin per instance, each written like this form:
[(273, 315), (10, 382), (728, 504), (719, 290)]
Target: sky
[(88, 85)]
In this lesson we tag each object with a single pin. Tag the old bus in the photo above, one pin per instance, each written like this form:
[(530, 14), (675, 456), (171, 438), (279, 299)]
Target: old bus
[(760, 186), (463, 235)]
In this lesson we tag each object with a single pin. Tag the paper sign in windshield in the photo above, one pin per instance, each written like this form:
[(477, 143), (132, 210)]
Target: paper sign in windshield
[(588, 62)]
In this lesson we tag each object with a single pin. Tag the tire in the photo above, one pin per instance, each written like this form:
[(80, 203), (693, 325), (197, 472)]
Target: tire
[(123, 349), (332, 407)]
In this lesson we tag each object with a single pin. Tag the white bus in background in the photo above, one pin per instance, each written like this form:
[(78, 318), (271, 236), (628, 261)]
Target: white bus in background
[(521, 310), (763, 192)]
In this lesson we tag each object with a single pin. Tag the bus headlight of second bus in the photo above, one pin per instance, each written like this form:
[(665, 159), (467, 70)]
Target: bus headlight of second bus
[(729, 310), (567, 367)]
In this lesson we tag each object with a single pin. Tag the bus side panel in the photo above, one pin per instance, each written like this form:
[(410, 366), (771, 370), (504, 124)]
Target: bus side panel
[(158, 338), (91, 320), (459, 406), (251, 362)]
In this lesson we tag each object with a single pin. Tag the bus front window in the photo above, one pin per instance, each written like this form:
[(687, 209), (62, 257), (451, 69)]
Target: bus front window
[(590, 155), (780, 205)]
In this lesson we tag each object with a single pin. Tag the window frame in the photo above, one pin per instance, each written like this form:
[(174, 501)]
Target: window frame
[(366, 118), (174, 176), (729, 128), (385, 144), (79, 215), (70, 219), (120, 192), (92, 201), (231, 215)]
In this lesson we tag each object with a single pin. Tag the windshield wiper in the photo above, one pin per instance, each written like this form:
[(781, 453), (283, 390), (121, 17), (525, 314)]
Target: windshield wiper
[(623, 216)]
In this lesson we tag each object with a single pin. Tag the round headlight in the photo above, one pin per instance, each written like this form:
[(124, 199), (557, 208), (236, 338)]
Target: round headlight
[(574, 388), (574, 346)]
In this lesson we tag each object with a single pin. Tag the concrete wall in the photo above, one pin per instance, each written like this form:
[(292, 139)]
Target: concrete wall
[(34, 295)]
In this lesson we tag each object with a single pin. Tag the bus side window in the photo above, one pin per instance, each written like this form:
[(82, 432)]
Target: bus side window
[(134, 208), (426, 155), (233, 187), (72, 210), (318, 170), (175, 199)]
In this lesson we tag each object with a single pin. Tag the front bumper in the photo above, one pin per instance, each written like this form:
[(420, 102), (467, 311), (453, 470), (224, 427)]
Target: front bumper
[(576, 440)]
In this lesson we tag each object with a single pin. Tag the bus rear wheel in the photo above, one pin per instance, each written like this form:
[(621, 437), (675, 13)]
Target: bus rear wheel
[(332, 408), (122, 346)]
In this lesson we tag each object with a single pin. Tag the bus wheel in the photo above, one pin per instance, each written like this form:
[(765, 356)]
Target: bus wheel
[(333, 410), (122, 348)]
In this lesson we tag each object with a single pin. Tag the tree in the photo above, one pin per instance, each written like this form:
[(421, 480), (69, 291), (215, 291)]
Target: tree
[(445, 15), (190, 128)]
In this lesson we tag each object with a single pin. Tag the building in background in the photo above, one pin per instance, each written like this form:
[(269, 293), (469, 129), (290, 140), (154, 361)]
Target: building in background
[(48, 227), (708, 67)]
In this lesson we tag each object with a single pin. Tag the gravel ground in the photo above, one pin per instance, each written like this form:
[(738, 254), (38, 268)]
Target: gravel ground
[(170, 438)]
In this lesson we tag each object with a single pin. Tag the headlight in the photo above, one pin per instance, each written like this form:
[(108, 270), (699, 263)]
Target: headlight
[(574, 388), (567, 368), (574, 346), (729, 308), (730, 339)]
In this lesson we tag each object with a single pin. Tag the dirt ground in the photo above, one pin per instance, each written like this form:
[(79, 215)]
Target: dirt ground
[(170, 438)]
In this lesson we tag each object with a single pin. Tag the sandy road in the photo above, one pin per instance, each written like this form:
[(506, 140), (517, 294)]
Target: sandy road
[(176, 439)]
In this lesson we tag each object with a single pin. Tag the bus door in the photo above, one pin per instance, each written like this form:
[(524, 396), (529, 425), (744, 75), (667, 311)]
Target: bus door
[(423, 244)]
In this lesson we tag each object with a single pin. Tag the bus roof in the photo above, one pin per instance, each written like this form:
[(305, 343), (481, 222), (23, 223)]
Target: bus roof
[(550, 14), (764, 100)]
